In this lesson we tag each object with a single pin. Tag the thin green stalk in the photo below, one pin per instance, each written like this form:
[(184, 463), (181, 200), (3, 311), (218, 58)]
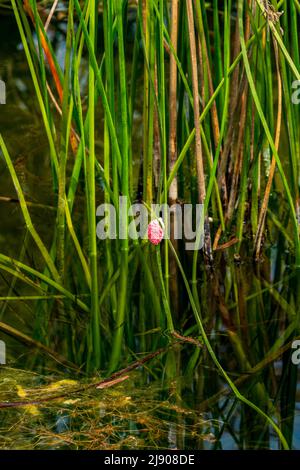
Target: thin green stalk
[(9, 263), (119, 327), (100, 86), (67, 109), (109, 156), (95, 314)]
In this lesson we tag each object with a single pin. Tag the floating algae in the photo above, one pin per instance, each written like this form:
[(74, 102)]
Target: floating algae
[(118, 418)]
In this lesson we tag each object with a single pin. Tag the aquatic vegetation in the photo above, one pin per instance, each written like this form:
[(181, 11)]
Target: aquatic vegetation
[(113, 419), (157, 101)]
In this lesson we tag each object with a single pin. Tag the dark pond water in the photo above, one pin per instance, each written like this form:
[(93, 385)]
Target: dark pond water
[(164, 405)]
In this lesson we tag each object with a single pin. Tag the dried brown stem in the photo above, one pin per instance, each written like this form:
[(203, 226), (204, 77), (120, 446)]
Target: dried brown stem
[(264, 207)]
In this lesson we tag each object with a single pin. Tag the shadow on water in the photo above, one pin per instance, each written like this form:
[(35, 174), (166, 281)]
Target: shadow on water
[(179, 400)]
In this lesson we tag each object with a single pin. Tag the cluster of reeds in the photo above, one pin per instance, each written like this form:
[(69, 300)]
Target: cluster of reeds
[(213, 83)]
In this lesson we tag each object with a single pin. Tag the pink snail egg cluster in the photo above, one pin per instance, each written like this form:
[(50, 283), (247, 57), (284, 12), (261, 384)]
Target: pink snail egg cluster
[(155, 232)]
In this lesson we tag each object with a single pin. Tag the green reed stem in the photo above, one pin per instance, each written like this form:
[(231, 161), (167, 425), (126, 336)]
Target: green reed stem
[(95, 314), (119, 327)]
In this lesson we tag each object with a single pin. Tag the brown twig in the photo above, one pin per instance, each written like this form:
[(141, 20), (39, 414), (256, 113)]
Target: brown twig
[(264, 207), (198, 143), (226, 245)]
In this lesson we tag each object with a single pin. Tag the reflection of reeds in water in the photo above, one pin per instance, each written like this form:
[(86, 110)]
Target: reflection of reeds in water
[(205, 136), (21, 171)]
